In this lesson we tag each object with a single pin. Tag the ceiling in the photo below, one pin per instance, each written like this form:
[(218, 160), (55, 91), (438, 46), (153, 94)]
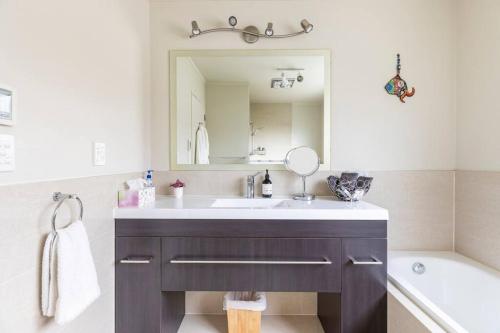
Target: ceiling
[(258, 72)]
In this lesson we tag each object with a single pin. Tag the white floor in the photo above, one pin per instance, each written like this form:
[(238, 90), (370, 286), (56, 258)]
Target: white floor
[(270, 324)]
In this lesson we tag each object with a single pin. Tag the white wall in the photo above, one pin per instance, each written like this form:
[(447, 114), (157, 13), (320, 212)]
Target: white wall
[(478, 109), (371, 130), (81, 73)]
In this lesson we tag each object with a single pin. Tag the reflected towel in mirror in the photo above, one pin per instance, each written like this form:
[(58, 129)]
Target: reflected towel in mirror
[(202, 148)]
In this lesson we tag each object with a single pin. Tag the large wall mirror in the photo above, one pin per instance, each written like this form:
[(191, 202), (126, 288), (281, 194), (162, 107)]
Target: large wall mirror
[(245, 109)]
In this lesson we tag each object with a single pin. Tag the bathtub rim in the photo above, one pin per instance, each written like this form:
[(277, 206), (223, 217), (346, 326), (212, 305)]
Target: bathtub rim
[(419, 299), (430, 324)]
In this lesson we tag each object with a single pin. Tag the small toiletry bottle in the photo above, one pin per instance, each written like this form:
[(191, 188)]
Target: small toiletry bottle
[(149, 178), (267, 186)]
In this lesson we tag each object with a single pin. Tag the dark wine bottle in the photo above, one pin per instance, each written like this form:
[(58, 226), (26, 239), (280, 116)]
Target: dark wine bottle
[(267, 186)]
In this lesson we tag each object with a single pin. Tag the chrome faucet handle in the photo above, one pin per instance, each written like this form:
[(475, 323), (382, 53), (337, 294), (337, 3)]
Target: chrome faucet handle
[(258, 173), (251, 178)]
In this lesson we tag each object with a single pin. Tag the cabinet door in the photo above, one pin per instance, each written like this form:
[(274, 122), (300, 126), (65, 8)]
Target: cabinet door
[(138, 297), (364, 285)]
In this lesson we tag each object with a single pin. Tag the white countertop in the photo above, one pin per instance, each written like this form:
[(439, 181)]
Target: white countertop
[(199, 207)]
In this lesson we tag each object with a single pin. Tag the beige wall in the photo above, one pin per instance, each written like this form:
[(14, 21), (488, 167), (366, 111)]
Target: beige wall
[(80, 70), (307, 126), (228, 102), (364, 37), (478, 137), (478, 110), (477, 232), (25, 213), (275, 133)]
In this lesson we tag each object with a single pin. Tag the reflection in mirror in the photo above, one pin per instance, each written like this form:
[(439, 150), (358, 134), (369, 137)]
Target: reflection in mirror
[(234, 108)]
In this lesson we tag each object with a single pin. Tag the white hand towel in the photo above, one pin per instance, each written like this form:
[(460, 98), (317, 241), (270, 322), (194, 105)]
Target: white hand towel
[(49, 286), (76, 277), (202, 148)]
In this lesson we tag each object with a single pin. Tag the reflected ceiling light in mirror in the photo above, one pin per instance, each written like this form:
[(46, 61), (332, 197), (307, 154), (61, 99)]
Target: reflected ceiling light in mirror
[(283, 82), (250, 34)]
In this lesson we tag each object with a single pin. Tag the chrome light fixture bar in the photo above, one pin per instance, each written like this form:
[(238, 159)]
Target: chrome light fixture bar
[(250, 34)]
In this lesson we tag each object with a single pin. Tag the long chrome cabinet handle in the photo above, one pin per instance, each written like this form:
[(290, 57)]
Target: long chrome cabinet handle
[(373, 261), (325, 261), (136, 260)]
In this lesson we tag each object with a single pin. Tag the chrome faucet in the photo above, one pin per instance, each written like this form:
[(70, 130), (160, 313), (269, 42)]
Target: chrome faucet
[(251, 186)]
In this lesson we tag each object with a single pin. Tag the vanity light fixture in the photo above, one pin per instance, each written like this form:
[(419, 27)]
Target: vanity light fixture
[(269, 30), (308, 27), (195, 29), (251, 34)]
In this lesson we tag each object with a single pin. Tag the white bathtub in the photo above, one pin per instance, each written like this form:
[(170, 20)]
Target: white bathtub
[(458, 293)]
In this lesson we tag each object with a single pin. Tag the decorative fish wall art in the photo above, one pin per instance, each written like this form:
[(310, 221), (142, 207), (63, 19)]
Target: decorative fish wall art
[(397, 86)]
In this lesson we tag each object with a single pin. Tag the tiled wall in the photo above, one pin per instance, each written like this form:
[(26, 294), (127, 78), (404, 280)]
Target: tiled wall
[(420, 203), (25, 212), (477, 233)]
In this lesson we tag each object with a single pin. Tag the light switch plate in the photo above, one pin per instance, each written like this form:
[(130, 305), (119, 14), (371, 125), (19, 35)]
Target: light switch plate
[(99, 153), (7, 153)]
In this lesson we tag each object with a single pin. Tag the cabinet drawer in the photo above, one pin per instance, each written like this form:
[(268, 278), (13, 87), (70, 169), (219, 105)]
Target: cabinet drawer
[(239, 264)]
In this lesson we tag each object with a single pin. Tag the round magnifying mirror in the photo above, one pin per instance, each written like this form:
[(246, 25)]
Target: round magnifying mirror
[(304, 162)]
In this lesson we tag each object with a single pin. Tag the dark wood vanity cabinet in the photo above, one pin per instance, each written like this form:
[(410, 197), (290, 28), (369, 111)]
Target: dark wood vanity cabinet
[(343, 261)]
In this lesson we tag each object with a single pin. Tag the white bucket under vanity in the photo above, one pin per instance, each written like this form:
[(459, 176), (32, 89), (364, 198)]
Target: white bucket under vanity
[(446, 291)]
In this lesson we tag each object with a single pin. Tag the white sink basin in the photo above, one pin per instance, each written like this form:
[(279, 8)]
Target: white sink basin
[(246, 203)]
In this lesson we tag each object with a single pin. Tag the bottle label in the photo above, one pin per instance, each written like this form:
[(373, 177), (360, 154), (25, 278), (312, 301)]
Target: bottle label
[(267, 189)]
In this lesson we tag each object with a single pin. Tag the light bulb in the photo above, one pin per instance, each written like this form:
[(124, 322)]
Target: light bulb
[(306, 26), (269, 30), (195, 29)]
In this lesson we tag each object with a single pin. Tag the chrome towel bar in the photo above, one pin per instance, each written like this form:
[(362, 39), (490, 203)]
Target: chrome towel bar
[(60, 198)]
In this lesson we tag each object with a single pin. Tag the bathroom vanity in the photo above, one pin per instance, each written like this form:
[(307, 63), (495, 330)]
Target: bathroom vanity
[(336, 249)]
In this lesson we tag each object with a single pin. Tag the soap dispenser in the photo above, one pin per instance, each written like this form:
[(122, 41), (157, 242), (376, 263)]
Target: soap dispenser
[(267, 186), (149, 178)]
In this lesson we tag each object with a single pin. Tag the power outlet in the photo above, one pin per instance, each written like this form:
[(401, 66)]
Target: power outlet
[(99, 154), (7, 153)]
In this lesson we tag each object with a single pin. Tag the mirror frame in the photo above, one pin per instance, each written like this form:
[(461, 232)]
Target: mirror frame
[(327, 110)]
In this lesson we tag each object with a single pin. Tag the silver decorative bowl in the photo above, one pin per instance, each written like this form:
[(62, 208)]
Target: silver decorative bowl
[(349, 186)]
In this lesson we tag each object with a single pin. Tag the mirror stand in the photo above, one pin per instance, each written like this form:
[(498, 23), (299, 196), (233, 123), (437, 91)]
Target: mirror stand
[(304, 196)]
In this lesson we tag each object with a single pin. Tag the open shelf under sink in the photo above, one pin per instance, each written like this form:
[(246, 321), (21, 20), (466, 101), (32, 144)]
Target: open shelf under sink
[(270, 324)]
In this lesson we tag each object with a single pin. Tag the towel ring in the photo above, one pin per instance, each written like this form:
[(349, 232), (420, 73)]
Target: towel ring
[(60, 198)]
